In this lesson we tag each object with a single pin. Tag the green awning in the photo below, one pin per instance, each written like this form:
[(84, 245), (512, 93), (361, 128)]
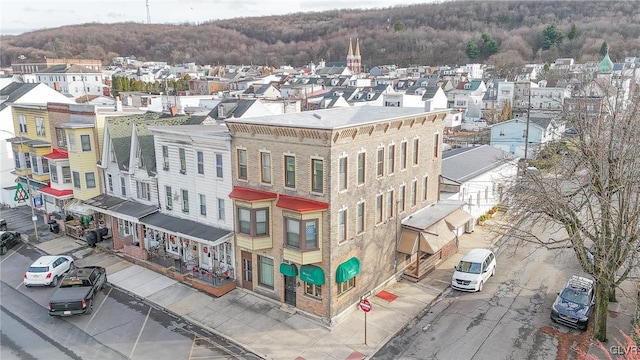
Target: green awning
[(288, 269), (312, 274), (348, 270)]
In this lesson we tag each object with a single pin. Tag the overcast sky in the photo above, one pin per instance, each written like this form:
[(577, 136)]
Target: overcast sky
[(19, 16)]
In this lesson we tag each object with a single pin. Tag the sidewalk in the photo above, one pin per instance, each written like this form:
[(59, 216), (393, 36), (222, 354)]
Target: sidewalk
[(260, 326)]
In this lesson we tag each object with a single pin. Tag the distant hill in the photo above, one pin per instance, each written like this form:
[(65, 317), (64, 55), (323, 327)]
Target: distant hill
[(432, 34)]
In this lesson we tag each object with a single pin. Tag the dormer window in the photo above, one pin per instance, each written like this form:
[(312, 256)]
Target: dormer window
[(221, 111), (467, 86)]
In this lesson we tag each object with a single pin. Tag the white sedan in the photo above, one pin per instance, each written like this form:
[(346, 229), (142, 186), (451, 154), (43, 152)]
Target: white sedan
[(48, 270)]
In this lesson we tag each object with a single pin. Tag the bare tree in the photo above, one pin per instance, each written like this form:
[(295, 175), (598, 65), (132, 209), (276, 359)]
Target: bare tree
[(590, 190)]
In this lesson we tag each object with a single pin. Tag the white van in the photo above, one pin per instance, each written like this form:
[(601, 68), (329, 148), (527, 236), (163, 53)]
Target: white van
[(475, 268)]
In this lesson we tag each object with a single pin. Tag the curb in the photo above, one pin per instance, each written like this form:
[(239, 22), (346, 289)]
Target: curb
[(186, 318)]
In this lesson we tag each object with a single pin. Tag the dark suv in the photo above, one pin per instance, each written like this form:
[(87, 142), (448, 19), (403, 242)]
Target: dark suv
[(8, 240), (574, 303)]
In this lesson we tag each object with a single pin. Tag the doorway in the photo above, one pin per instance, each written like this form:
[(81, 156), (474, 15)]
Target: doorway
[(290, 290), (247, 270)]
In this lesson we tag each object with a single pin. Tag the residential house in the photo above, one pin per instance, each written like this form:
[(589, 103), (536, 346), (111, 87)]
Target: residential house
[(510, 136), (318, 198), (129, 175), (478, 176), (467, 97), (497, 101), (18, 93), (195, 221), (73, 80)]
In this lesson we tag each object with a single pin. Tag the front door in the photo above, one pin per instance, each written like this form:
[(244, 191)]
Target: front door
[(290, 290), (247, 270)]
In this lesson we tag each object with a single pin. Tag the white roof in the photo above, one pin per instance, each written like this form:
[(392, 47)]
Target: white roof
[(476, 255)]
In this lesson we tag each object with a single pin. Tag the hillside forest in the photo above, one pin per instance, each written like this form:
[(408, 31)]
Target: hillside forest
[(502, 33)]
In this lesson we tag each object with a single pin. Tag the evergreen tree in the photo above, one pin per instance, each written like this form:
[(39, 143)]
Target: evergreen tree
[(473, 50), (573, 32), (551, 37), (604, 48)]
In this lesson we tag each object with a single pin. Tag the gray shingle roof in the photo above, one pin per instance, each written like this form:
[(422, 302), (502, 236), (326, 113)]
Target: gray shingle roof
[(14, 91), (68, 69), (466, 163), (120, 128)]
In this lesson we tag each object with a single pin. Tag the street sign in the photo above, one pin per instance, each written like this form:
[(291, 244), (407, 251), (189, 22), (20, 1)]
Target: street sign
[(21, 194), (365, 305)]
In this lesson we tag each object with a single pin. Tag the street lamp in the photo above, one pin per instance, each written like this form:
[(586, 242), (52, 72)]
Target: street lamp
[(34, 218)]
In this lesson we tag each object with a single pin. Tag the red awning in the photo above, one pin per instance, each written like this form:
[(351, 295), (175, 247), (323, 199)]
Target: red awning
[(246, 194), (58, 194), (300, 204), (57, 155)]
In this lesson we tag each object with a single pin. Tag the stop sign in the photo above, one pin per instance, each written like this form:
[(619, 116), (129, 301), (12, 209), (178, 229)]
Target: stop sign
[(365, 305)]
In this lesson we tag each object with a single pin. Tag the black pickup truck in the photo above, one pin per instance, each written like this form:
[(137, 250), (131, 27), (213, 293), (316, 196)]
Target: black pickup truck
[(77, 291)]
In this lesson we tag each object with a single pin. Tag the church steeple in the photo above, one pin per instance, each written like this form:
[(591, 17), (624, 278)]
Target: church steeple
[(354, 62)]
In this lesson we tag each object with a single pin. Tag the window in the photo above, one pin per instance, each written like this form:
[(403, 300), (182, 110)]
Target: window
[(125, 228), (169, 197), (200, 157), (53, 172), (203, 204), (343, 173), (183, 161), (185, 201), (436, 145), (313, 290), (425, 187), (76, 180), (242, 164), (219, 168), (142, 190), (346, 286), (301, 234), (113, 154), (265, 271), (34, 162), (380, 162), (110, 183), (40, 130), (221, 209), (360, 218), (22, 124), (90, 179), (403, 155), (44, 164), (416, 143), (16, 159), (390, 204), (361, 167), (253, 222), (265, 167), (140, 158), (414, 195), (123, 186), (85, 141), (290, 171), (391, 165), (379, 209), (66, 174), (71, 141), (401, 198), (165, 157), (342, 225), (317, 179), (27, 160)]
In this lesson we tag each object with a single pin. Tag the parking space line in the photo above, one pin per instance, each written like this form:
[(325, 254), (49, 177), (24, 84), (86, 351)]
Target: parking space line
[(193, 343), (140, 333), (98, 309), (13, 252)]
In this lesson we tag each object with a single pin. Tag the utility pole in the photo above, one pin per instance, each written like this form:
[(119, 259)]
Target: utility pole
[(34, 217), (526, 131)]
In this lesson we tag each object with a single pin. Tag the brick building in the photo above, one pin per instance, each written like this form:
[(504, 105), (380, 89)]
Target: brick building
[(319, 197)]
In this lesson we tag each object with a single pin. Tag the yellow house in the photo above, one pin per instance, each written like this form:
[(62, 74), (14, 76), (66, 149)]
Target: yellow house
[(83, 147), (32, 141)]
